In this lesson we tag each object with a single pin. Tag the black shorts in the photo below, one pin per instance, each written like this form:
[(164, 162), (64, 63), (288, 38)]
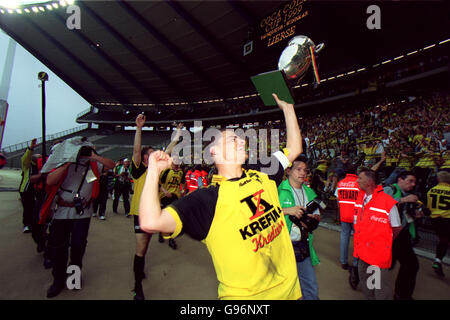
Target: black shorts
[(164, 203), (442, 227), (137, 227)]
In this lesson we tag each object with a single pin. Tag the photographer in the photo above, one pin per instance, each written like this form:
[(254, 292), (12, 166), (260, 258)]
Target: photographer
[(303, 219), (74, 184), (122, 187), (409, 209), (99, 204)]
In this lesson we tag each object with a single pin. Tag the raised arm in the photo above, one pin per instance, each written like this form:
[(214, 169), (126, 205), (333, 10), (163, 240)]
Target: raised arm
[(107, 163), (140, 121), (377, 165), (55, 176), (175, 139), (294, 137), (26, 158), (151, 217)]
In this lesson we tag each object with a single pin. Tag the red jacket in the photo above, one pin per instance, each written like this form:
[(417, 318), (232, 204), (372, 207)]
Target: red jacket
[(373, 232), (187, 177), (193, 183), (348, 191), (40, 163), (204, 176)]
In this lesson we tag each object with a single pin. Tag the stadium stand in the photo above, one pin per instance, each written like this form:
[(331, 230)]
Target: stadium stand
[(115, 146)]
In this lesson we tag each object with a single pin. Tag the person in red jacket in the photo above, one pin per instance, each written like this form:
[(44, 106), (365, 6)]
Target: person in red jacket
[(188, 180), (377, 224), (195, 179), (347, 192), (204, 177)]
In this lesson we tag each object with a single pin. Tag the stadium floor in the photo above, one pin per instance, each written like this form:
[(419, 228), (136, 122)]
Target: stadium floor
[(184, 274)]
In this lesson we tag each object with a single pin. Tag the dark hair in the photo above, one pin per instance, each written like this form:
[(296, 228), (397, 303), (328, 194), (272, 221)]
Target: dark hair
[(372, 175), (145, 150), (85, 151), (301, 158), (352, 169), (404, 174), (213, 141)]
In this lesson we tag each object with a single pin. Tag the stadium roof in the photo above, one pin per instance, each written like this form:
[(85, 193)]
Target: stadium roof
[(167, 52)]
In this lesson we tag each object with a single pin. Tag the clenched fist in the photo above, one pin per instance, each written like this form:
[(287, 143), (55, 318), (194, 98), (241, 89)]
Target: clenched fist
[(140, 120), (160, 160)]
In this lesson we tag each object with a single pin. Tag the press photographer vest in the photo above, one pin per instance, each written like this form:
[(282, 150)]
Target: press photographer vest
[(287, 200), (348, 191), (51, 191)]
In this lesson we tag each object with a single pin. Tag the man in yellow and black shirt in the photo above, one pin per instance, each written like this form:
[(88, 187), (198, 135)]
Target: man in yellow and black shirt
[(238, 217), (445, 161), (428, 160), (170, 182), (26, 187), (139, 165), (438, 201)]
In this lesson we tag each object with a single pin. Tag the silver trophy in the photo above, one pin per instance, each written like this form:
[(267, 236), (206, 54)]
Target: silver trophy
[(298, 56)]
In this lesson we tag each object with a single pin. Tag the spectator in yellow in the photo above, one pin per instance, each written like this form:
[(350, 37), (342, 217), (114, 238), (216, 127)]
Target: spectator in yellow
[(438, 201)]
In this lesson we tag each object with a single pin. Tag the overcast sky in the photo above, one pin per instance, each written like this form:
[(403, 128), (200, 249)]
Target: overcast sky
[(23, 121)]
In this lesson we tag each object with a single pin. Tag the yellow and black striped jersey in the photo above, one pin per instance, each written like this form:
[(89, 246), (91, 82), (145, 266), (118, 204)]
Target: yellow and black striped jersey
[(138, 173), (242, 224), (438, 200), (171, 180)]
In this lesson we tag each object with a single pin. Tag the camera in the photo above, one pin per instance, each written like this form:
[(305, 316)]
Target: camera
[(78, 204), (311, 223), (411, 207)]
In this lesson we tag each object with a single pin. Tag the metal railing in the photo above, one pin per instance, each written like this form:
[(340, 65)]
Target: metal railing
[(49, 137)]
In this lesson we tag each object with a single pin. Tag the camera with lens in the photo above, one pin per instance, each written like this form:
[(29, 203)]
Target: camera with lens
[(78, 204), (410, 208), (310, 223)]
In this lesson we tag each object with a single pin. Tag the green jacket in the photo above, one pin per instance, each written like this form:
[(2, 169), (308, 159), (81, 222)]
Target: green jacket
[(287, 200), (397, 196)]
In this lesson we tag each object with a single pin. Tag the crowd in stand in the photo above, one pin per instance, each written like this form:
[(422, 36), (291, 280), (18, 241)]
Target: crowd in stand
[(407, 135)]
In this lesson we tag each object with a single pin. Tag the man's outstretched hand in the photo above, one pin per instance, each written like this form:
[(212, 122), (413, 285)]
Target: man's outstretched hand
[(33, 143), (282, 104), (140, 120)]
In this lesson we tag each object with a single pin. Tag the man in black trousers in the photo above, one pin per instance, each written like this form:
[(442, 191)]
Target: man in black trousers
[(122, 187), (402, 249)]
